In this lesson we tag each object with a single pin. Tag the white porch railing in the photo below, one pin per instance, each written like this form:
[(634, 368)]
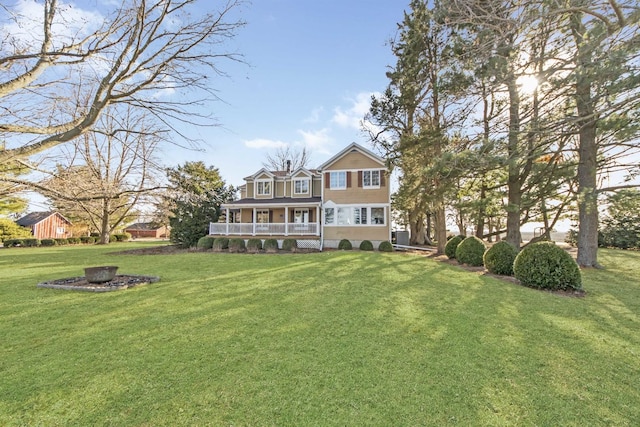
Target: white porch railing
[(264, 229)]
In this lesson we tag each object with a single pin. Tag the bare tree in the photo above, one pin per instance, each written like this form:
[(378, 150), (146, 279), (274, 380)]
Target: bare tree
[(159, 56), (287, 158), (108, 172)]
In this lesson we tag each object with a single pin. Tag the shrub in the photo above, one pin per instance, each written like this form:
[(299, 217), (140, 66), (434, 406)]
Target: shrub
[(345, 245), (385, 247), (86, 239), (546, 266), (32, 243), (236, 245), (470, 251), (289, 245), (62, 241), (122, 237), (270, 245), (366, 245), (499, 258), (220, 244), (11, 230), (12, 243), (205, 242), (112, 238), (48, 242), (73, 240), (254, 245), (451, 246)]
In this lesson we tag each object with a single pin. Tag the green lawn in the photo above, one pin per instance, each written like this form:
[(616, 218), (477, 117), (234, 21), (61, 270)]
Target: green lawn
[(333, 338)]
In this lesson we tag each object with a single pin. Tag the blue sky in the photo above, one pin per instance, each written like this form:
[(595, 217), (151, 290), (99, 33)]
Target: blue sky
[(311, 69)]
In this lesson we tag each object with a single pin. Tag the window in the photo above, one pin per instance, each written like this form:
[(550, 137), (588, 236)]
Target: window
[(301, 216), (377, 216), (301, 186), (354, 216), (338, 180), (329, 215), (262, 217), (263, 188), (371, 179)]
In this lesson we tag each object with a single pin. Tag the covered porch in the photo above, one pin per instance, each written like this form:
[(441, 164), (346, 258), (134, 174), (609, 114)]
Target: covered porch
[(255, 217)]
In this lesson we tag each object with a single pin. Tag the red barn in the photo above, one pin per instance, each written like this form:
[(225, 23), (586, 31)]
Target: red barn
[(147, 229), (46, 225)]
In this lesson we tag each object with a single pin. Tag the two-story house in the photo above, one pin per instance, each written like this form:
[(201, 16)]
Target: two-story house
[(347, 197)]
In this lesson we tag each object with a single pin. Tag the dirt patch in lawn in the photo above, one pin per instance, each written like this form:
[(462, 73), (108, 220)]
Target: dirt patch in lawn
[(118, 283)]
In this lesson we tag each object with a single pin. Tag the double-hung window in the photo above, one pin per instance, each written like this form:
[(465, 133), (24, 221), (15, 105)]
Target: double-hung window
[(301, 186), (371, 179), (263, 188), (338, 180)]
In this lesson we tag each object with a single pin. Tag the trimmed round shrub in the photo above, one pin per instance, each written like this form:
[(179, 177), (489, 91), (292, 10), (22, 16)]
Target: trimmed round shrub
[(289, 245), (205, 242), (62, 241), (345, 245), (220, 244), (385, 247), (254, 245), (30, 243), (544, 265), (451, 246), (12, 243), (498, 259), (470, 251), (270, 245), (237, 245), (48, 242), (73, 240), (122, 237), (366, 245)]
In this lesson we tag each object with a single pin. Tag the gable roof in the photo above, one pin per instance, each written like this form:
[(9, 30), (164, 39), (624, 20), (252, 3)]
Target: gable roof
[(352, 147), (143, 226), (36, 217)]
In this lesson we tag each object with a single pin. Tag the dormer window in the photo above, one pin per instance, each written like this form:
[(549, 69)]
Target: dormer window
[(263, 188), (371, 179), (301, 186)]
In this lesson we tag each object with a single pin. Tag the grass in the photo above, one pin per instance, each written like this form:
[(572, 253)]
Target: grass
[(334, 338)]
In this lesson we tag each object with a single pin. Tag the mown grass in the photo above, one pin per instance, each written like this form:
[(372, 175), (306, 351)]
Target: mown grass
[(334, 338)]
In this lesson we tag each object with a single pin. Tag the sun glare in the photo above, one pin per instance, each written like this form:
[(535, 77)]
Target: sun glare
[(528, 84)]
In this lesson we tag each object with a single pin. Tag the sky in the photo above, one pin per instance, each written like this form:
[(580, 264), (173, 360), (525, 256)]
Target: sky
[(311, 68)]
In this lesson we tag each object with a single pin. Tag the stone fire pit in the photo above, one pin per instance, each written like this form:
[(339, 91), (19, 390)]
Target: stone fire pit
[(101, 274), (99, 279)]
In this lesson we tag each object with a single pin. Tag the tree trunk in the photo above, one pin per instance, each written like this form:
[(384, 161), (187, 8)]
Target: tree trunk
[(513, 183), (480, 218), (104, 223), (441, 229), (587, 153), (416, 224)]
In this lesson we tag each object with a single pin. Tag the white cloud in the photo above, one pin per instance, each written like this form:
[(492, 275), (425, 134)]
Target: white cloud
[(70, 24), (317, 141), (314, 117), (263, 143), (353, 116)]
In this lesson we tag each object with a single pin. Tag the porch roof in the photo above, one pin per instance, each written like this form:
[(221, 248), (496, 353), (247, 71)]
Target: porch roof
[(279, 202)]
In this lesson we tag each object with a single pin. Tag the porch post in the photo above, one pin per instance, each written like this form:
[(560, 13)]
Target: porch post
[(286, 220), (317, 220), (227, 221), (255, 218)]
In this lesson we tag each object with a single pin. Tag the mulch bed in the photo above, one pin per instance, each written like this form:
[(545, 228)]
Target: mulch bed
[(120, 282)]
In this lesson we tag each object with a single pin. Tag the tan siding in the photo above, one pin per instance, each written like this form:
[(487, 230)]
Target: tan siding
[(317, 187), (281, 189), (249, 192), (355, 195), (355, 160), (278, 216), (356, 233)]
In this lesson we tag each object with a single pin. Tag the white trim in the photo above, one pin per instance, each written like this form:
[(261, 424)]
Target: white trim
[(345, 180), (367, 206), (371, 186), (293, 186), (262, 181)]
